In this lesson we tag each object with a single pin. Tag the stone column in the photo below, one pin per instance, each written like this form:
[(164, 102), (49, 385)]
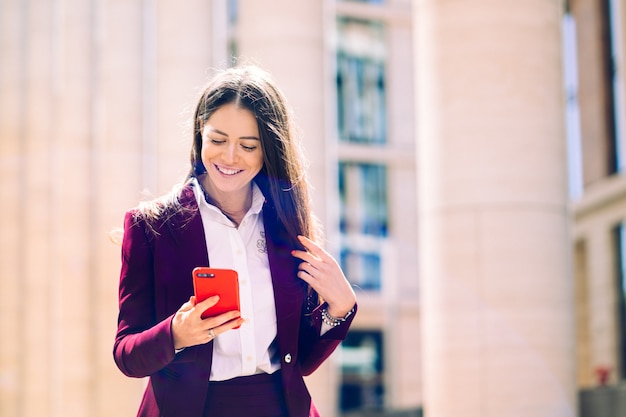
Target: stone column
[(182, 58), (495, 275), (91, 111), (119, 108), (13, 21)]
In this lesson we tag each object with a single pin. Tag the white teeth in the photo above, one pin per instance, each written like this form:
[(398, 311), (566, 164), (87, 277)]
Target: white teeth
[(227, 171)]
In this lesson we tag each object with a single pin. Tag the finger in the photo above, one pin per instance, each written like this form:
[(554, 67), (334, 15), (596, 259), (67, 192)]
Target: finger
[(229, 325), (305, 256), (311, 259), (212, 332), (308, 279), (220, 319), (207, 335), (208, 302), (203, 305), (309, 269), (313, 248)]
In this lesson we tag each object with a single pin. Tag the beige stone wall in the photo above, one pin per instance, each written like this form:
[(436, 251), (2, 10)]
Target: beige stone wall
[(93, 96)]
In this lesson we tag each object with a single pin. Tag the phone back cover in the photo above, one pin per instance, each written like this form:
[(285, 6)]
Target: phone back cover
[(222, 282)]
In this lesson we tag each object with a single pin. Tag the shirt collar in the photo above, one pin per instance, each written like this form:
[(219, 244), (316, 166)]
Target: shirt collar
[(258, 199)]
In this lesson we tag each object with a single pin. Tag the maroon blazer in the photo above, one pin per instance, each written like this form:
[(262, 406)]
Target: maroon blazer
[(155, 280)]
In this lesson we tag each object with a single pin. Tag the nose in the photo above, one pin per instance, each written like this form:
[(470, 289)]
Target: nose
[(230, 153)]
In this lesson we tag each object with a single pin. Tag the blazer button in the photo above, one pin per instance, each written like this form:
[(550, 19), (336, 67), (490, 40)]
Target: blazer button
[(288, 358)]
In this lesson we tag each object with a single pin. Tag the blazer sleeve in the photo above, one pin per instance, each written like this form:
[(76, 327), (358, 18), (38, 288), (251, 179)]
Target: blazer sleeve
[(315, 349), (143, 344)]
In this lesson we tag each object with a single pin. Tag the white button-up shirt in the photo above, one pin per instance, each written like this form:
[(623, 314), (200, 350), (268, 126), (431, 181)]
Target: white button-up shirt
[(247, 350)]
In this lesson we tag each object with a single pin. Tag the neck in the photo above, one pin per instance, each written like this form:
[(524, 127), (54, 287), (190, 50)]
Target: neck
[(234, 205)]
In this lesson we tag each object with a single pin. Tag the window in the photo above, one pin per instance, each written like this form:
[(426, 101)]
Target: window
[(361, 81), (599, 75), (362, 365), (572, 110), (233, 17), (361, 120), (363, 222), (613, 79), (619, 245)]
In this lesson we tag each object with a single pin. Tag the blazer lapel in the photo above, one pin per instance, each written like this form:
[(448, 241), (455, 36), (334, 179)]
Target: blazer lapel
[(186, 229), (186, 234)]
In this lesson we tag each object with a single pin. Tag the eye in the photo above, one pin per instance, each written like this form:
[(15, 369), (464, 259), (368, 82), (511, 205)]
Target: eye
[(248, 148), (217, 141)]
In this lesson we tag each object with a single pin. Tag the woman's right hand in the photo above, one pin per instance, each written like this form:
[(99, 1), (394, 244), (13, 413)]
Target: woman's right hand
[(189, 329)]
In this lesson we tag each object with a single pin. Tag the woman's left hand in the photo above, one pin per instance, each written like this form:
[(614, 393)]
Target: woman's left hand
[(322, 272)]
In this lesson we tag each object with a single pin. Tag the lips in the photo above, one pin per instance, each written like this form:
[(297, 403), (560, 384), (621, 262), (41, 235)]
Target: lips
[(228, 171)]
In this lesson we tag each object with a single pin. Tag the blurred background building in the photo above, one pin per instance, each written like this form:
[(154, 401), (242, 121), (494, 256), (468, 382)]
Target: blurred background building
[(468, 164)]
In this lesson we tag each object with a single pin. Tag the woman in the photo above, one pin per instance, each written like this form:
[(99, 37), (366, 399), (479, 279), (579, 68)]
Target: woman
[(244, 206)]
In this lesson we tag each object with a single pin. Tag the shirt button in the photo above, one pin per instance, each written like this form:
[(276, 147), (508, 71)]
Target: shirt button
[(288, 358)]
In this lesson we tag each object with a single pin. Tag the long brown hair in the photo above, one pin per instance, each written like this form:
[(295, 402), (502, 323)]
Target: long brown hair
[(282, 178)]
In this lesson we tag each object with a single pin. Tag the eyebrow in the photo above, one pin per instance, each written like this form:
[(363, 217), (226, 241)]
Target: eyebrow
[(219, 132)]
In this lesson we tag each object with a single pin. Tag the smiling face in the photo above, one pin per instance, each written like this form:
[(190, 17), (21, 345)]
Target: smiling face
[(231, 153)]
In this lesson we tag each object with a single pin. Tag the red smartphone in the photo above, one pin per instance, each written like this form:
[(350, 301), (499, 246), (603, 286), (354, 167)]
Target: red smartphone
[(208, 282)]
